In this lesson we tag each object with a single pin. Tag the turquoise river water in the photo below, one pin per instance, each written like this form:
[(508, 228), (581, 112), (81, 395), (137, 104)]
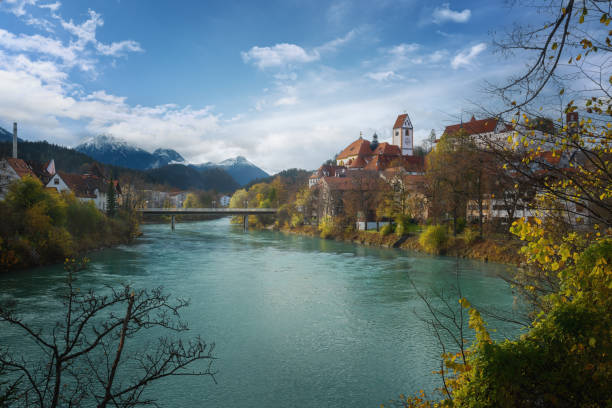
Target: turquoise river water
[(297, 321)]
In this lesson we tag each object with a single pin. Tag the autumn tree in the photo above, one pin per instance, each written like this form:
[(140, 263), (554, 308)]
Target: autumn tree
[(362, 195), (563, 359)]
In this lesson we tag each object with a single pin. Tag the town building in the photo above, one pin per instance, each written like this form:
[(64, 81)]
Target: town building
[(177, 198), (363, 168), (481, 128), (326, 170), (12, 169), (224, 201), (85, 187)]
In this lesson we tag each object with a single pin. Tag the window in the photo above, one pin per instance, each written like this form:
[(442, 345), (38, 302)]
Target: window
[(56, 180), (397, 133)]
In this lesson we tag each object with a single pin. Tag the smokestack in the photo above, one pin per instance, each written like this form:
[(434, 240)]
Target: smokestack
[(14, 140)]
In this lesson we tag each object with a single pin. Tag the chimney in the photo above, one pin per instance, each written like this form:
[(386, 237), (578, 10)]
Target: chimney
[(14, 140)]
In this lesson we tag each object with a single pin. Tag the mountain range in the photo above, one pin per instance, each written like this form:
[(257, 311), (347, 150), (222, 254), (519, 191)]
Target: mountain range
[(163, 166), (111, 150), (242, 170)]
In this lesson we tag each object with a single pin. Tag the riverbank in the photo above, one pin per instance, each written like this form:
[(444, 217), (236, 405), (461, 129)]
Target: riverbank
[(504, 251)]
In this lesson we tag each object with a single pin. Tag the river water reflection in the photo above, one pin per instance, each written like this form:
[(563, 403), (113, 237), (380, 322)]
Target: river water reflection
[(297, 321)]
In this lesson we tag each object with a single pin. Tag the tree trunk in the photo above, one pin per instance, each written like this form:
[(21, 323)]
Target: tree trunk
[(111, 377)]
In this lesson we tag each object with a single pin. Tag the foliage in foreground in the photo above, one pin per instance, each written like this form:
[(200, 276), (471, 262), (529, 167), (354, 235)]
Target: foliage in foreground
[(40, 226)]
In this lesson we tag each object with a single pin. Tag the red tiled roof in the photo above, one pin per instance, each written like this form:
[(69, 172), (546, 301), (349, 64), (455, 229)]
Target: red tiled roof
[(78, 185), (358, 163), (358, 147), (21, 167), (388, 149), (85, 186), (400, 121), (327, 170), (40, 169), (473, 127)]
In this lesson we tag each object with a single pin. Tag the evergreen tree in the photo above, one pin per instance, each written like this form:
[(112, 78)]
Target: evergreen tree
[(111, 200)]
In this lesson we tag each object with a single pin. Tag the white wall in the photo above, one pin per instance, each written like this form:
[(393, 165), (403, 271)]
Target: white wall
[(58, 183), (7, 176)]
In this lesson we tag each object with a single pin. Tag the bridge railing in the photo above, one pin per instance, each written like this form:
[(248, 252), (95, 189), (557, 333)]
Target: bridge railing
[(251, 211)]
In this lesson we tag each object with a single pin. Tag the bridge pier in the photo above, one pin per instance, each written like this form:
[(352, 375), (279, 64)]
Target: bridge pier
[(173, 223), (245, 222)]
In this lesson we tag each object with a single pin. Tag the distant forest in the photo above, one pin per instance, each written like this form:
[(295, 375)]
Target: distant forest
[(174, 176)]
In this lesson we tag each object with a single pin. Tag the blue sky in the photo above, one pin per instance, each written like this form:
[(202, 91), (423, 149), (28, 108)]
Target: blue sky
[(284, 83)]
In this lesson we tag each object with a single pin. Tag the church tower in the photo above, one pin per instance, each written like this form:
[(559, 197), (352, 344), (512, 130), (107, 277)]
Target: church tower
[(403, 134)]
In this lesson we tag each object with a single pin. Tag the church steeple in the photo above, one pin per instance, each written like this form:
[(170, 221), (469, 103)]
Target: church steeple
[(403, 134)]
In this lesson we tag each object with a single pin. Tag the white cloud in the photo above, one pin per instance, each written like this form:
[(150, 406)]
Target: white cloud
[(287, 101), (278, 55), (53, 7), (437, 56), (76, 53), (286, 55), (333, 45), (38, 44), (466, 58), (118, 48), (18, 7), (444, 13), (383, 76), (402, 50)]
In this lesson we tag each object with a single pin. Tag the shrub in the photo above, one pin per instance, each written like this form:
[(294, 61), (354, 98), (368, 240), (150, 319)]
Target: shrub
[(470, 236), (434, 239), (297, 219), (402, 225), (326, 226), (386, 230)]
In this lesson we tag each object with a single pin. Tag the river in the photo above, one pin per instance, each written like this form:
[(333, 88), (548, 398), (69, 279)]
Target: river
[(297, 321)]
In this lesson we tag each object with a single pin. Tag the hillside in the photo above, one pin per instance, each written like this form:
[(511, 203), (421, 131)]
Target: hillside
[(6, 136), (186, 178), (175, 176), (297, 177)]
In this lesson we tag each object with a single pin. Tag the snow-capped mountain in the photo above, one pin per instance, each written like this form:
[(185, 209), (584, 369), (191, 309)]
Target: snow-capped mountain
[(242, 170), (111, 150)]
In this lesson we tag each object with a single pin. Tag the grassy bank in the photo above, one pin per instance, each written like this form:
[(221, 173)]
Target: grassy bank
[(497, 250)]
